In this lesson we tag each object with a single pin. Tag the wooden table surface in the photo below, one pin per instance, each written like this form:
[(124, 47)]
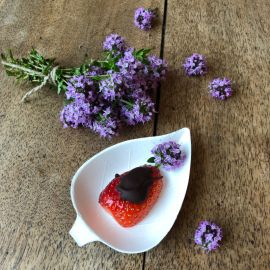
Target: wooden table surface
[(230, 173)]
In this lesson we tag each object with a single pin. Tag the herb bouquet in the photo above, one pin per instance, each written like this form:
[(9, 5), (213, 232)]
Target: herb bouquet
[(102, 95)]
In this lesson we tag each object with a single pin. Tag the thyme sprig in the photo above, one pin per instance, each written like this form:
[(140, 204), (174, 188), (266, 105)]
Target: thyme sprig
[(40, 70), (35, 68)]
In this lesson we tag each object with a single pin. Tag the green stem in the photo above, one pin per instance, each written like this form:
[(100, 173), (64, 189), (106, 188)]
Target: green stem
[(22, 68), (67, 76), (40, 68), (126, 102)]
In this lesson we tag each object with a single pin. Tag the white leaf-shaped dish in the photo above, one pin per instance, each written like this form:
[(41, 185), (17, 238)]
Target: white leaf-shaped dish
[(93, 223)]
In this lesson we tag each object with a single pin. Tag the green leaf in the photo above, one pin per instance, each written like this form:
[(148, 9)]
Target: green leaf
[(84, 68), (146, 51), (151, 160), (59, 87), (145, 61), (141, 54), (3, 57), (9, 73), (99, 78), (77, 72), (11, 55)]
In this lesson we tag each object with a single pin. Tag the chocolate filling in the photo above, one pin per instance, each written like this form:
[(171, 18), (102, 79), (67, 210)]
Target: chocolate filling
[(134, 184)]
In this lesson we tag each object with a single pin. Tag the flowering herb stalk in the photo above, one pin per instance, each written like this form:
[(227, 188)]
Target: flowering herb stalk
[(168, 155), (103, 95), (37, 69)]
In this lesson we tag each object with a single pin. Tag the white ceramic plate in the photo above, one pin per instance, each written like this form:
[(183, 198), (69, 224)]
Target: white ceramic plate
[(93, 223)]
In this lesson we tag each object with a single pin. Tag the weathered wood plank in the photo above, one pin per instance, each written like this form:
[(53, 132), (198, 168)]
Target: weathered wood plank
[(230, 169), (38, 157)]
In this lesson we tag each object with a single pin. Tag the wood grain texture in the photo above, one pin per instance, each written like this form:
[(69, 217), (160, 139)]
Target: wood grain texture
[(229, 181), (38, 157)]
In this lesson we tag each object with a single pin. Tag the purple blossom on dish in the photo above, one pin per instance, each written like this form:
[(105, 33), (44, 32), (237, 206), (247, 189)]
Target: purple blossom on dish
[(208, 235), (195, 65), (220, 88), (143, 18), (168, 155)]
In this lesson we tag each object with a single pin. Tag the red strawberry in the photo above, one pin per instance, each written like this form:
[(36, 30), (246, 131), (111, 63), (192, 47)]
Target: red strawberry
[(125, 212)]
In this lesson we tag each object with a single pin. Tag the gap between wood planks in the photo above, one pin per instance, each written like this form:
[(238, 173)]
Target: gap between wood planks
[(161, 53)]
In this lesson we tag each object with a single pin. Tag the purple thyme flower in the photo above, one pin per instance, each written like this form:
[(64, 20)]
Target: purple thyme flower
[(111, 88), (220, 88), (95, 71), (133, 71), (143, 18), (158, 67), (208, 235), (114, 42), (79, 86), (120, 93), (130, 67), (75, 114), (139, 111), (168, 154), (195, 65), (157, 71), (106, 124)]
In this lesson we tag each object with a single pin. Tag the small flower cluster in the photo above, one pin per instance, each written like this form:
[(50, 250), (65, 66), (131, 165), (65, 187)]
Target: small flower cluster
[(195, 65), (219, 88), (114, 43), (143, 18), (208, 235), (168, 155), (114, 92)]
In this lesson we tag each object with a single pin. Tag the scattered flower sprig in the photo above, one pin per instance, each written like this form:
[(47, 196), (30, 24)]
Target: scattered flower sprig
[(143, 18), (168, 155), (208, 236), (220, 88), (102, 95), (195, 65)]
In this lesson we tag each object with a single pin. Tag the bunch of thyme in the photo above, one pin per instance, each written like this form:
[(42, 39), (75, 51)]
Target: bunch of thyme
[(102, 95)]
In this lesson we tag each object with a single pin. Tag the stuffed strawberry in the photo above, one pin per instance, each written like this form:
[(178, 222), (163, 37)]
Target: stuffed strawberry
[(129, 197)]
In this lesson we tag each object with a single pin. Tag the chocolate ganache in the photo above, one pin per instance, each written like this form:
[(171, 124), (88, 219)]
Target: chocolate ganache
[(134, 184)]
